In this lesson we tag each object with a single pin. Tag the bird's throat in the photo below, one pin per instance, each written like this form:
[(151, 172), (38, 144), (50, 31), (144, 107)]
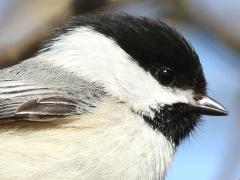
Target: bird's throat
[(173, 121)]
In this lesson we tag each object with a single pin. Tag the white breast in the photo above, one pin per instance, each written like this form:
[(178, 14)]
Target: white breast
[(103, 145)]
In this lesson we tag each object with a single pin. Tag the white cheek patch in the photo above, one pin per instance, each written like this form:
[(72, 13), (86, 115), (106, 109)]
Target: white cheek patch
[(144, 91), (85, 53), (97, 58)]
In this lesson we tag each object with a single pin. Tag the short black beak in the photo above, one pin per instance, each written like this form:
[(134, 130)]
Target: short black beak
[(208, 106)]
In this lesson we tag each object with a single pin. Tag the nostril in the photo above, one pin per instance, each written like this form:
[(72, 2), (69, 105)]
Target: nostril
[(198, 97)]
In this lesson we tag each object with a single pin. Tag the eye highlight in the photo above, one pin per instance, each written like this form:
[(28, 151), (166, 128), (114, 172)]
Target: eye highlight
[(165, 75)]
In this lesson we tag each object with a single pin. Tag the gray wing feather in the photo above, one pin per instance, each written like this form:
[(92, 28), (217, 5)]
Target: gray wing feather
[(32, 88), (18, 99)]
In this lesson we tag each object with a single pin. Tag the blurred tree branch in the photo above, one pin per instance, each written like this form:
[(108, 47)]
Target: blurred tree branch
[(28, 22), (221, 17)]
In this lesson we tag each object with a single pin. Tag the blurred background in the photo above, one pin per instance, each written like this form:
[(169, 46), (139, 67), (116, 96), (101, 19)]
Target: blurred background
[(212, 27)]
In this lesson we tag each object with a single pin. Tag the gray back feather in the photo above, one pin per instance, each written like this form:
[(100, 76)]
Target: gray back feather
[(34, 88)]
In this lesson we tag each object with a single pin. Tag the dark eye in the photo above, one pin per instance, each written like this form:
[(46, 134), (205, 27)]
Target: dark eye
[(165, 75)]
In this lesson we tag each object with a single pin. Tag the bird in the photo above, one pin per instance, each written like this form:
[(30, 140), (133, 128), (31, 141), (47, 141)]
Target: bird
[(106, 96)]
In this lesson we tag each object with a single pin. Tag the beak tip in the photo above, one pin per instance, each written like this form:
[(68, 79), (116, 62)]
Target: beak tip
[(222, 113), (225, 112)]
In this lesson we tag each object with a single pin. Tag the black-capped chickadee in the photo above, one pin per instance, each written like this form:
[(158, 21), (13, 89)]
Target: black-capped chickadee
[(107, 97)]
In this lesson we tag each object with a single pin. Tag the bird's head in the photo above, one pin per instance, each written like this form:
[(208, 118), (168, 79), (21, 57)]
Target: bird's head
[(143, 63)]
